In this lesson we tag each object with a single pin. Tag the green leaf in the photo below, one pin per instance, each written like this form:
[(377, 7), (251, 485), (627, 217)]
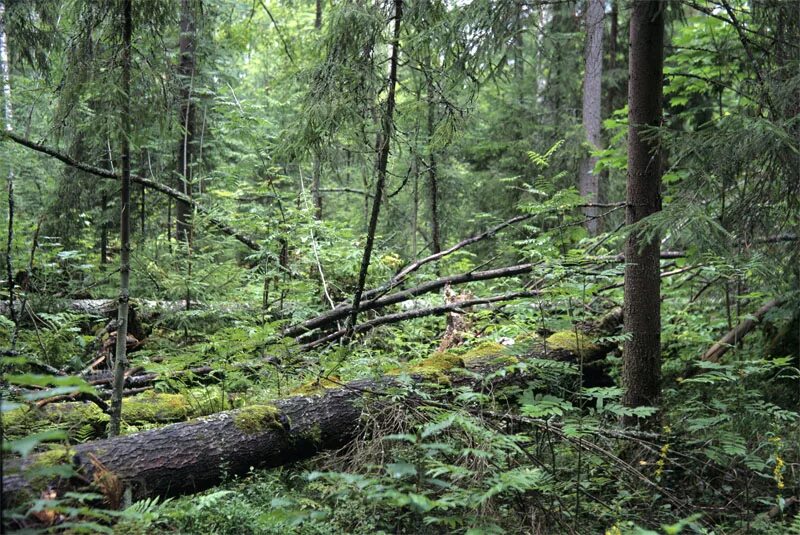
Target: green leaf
[(400, 470), (25, 445)]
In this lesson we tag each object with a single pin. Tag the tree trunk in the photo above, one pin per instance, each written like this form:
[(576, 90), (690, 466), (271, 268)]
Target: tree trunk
[(318, 15), (316, 179), (186, 67), (382, 147), (192, 456), (433, 184), (642, 350), (5, 74), (589, 184), (121, 357)]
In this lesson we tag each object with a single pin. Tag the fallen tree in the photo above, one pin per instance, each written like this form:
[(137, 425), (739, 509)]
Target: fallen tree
[(191, 456), (735, 335), (330, 317)]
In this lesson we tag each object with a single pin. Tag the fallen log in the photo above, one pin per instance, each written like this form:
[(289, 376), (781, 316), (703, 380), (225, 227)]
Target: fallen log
[(733, 336), (330, 317), (417, 313), (192, 456), (87, 418)]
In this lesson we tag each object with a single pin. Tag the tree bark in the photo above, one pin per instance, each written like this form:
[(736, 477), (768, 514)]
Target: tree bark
[(589, 183), (192, 456), (316, 179), (5, 75), (121, 357), (642, 350), (433, 178), (186, 67), (382, 147)]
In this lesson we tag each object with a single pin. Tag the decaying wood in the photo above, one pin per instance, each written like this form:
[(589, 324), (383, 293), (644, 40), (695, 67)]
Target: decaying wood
[(416, 313), (330, 317), (736, 334), (191, 456), (457, 324)]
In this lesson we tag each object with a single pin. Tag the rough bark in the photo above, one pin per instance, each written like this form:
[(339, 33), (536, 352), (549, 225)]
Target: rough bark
[(433, 176), (589, 183), (382, 148), (191, 456), (5, 79), (186, 67), (121, 353), (642, 350)]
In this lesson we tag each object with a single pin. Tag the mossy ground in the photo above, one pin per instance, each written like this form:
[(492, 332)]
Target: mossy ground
[(84, 420), (574, 342), (317, 386), (437, 364)]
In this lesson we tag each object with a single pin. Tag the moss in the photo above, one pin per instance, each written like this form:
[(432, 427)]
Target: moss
[(155, 407), (484, 351), (574, 342), (441, 362), (24, 421), (257, 418), (314, 434), (317, 386), (53, 457)]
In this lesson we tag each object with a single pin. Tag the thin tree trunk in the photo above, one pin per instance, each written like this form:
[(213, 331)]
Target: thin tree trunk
[(5, 72), (589, 184), (642, 350), (316, 195), (433, 184), (318, 15), (186, 68), (121, 357), (103, 229), (613, 45), (382, 146)]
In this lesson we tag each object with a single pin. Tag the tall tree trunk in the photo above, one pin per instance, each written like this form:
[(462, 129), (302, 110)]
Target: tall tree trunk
[(612, 92), (103, 229), (382, 146), (121, 357), (318, 15), (316, 179), (5, 73), (589, 184), (186, 67), (642, 350), (433, 178)]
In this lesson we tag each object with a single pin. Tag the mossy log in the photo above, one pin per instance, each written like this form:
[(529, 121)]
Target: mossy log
[(191, 456), (86, 419)]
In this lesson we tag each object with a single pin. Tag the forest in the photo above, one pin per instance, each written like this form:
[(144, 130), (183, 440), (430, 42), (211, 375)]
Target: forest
[(400, 266)]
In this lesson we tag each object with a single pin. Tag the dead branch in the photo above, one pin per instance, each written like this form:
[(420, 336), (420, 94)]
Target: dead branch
[(733, 336), (146, 182)]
